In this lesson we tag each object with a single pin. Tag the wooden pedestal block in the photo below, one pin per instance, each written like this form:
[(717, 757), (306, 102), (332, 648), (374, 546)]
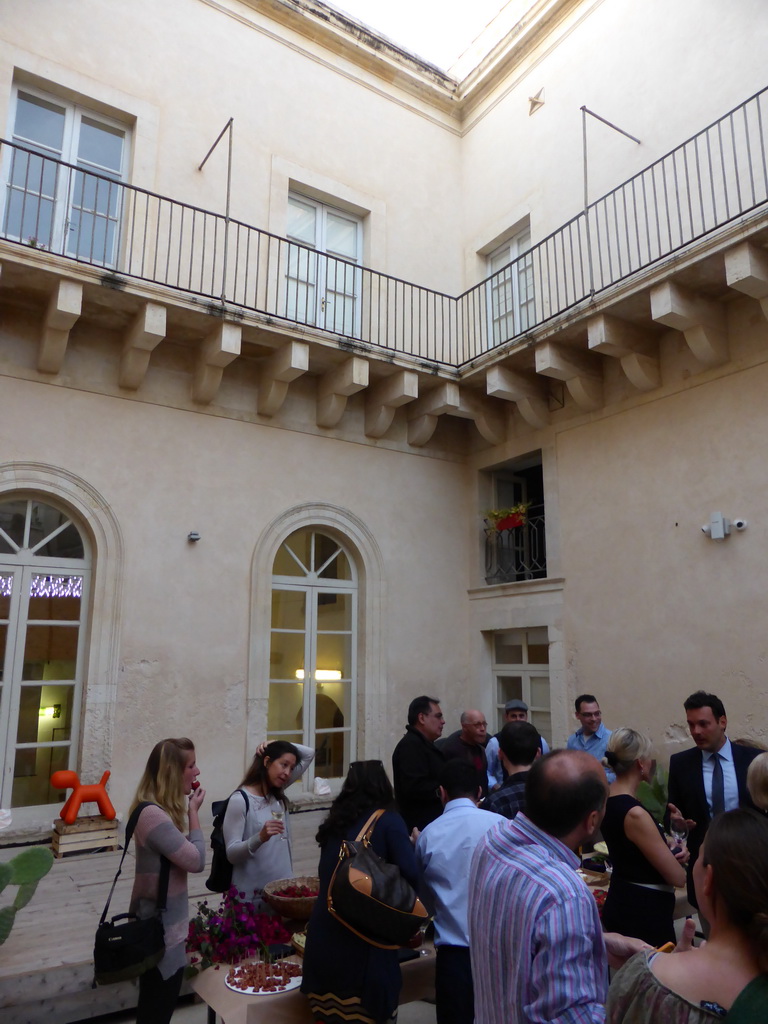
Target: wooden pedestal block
[(94, 832)]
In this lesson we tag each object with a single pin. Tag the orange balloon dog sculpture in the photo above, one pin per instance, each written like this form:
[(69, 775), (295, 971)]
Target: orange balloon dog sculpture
[(82, 795)]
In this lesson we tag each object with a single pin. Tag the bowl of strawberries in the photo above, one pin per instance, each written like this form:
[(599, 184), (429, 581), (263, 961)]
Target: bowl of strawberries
[(292, 897)]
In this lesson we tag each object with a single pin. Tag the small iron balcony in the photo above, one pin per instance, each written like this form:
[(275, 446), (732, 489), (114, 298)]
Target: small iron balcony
[(519, 553)]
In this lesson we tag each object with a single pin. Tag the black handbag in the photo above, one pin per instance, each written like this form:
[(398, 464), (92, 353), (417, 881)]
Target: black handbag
[(127, 946), (371, 897)]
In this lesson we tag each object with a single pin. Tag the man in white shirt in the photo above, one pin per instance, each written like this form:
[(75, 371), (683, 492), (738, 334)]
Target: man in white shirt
[(444, 852)]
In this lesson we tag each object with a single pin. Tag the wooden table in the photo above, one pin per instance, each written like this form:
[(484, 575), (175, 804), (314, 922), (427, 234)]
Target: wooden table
[(292, 1007)]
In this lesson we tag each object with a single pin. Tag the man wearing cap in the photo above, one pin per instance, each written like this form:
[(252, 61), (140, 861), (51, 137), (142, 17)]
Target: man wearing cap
[(514, 711)]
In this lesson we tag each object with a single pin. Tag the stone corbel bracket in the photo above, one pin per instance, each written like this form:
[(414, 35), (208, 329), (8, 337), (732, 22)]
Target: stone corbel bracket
[(424, 412), (489, 417), (217, 351), (335, 387), (283, 366), (64, 308), (139, 342), (620, 340), (580, 371), (385, 397), (701, 320), (527, 393), (746, 270)]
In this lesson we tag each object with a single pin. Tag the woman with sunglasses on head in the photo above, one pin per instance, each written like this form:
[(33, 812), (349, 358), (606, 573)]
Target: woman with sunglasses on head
[(168, 785), (728, 975), (256, 830), (346, 979)]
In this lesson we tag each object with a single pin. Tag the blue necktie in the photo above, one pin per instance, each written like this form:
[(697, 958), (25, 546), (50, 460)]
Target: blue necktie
[(718, 789)]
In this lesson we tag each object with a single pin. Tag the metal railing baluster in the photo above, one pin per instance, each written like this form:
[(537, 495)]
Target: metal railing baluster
[(718, 174)]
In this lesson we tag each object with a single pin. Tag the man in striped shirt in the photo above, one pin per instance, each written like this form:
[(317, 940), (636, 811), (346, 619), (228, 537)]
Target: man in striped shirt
[(538, 952)]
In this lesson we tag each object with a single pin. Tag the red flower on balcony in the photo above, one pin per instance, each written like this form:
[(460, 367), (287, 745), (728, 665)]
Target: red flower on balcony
[(497, 519), (510, 522)]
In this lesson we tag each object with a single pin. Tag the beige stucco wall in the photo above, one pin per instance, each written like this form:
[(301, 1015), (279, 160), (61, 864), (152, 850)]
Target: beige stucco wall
[(641, 608), (655, 609), (648, 608), (659, 71), (341, 128), (184, 632)]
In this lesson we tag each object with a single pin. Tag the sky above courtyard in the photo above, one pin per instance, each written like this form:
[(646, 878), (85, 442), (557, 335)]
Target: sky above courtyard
[(437, 30)]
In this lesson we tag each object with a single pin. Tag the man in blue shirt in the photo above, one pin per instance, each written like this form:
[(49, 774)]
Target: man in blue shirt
[(593, 736), (444, 852)]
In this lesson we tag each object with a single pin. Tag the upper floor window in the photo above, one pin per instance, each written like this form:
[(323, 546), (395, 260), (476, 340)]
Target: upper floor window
[(70, 210), (323, 279), (510, 289)]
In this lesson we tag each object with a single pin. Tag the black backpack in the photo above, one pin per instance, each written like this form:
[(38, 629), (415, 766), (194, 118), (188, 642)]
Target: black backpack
[(220, 878)]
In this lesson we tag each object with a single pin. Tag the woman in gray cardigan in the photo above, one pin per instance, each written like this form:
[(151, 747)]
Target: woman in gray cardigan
[(168, 783)]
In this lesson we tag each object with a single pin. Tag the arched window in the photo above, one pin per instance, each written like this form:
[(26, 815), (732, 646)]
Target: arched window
[(44, 584), (312, 685)]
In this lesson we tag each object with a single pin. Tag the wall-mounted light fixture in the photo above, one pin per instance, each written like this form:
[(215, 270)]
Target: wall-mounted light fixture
[(193, 537), (53, 711), (718, 527), (322, 675)]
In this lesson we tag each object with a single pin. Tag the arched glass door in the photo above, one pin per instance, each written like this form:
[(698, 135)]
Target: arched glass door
[(44, 580), (312, 685)]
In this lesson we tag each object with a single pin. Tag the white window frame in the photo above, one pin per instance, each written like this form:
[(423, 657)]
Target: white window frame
[(525, 670), (313, 266), (64, 197), (313, 584), (23, 566), (509, 289)]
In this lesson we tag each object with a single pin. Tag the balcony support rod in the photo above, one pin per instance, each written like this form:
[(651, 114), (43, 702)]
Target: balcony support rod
[(584, 112), (227, 127)]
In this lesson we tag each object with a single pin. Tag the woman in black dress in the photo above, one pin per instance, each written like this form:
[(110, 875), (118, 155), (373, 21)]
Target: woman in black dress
[(641, 897), (346, 980)]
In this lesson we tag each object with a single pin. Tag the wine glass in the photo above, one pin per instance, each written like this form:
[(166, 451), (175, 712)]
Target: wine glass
[(423, 934), (278, 814), (678, 829)]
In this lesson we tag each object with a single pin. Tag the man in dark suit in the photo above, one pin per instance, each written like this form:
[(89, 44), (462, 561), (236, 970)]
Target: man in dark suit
[(710, 777)]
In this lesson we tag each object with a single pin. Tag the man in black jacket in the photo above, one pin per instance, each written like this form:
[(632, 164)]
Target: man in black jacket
[(710, 777), (416, 764)]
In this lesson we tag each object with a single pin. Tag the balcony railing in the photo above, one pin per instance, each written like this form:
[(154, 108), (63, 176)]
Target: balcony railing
[(519, 553), (719, 174)]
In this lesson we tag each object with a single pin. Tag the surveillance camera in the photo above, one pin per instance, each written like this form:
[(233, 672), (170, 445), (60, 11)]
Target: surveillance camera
[(740, 524)]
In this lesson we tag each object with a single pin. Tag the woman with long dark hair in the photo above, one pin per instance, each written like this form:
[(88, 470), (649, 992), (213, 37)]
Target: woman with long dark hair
[(347, 980), (641, 897), (161, 831), (256, 829), (728, 975)]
